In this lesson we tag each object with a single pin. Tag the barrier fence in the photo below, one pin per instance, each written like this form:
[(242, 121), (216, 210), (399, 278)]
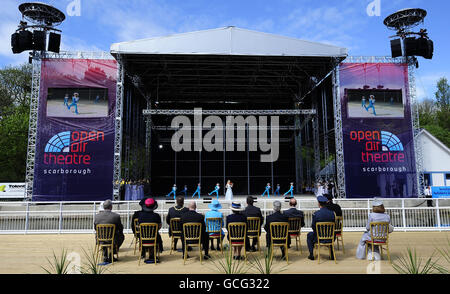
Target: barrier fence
[(78, 217)]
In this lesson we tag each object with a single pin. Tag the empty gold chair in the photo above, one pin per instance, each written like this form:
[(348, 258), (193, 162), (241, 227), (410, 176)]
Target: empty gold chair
[(148, 238), (104, 238), (175, 229), (279, 237), (192, 236), (325, 237), (214, 228), (379, 236), (295, 226), (253, 229), (237, 233), (338, 232)]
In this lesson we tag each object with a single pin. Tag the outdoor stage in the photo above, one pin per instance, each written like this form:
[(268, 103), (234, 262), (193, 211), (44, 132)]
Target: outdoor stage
[(25, 254)]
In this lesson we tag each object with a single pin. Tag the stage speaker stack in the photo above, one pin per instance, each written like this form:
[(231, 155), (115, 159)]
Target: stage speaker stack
[(39, 40), (419, 47), (410, 46), (21, 41), (396, 48), (54, 42)]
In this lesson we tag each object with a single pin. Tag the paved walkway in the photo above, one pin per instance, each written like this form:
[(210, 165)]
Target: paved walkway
[(27, 253)]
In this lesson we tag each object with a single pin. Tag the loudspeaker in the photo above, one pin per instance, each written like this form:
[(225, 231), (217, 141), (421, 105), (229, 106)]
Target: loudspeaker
[(39, 40), (396, 48), (54, 42), (425, 48), (411, 47), (21, 41)]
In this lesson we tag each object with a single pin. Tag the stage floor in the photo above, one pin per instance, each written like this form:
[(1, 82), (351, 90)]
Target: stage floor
[(25, 254)]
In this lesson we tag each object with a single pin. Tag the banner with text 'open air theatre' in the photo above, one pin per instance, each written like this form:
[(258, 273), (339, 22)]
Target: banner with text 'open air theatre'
[(75, 133), (377, 131)]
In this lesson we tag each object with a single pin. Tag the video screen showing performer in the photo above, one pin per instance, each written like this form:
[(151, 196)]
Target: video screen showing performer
[(77, 102), (374, 103)]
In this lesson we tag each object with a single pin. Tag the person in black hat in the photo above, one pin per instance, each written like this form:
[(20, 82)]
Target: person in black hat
[(148, 215), (237, 217), (176, 212), (321, 215), (253, 211)]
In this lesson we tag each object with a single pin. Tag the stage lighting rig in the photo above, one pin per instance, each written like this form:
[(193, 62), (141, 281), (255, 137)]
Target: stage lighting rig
[(407, 43), (37, 25)]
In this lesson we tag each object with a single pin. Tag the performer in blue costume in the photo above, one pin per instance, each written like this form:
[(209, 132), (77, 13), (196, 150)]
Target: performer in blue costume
[(75, 100), (216, 190), (97, 99), (174, 192), (291, 190), (197, 191), (266, 191), (363, 101), (277, 191), (371, 104), (184, 191), (66, 100)]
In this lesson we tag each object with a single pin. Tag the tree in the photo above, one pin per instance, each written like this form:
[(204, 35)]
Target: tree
[(15, 87), (443, 94)]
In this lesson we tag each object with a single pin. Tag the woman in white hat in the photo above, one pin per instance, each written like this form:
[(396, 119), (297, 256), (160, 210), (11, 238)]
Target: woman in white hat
[(377, 215)]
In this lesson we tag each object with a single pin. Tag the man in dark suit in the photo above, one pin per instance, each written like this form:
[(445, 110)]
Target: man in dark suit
[(336, 208), (277, 216), (108, 217), (237, 217), (322, 215), (294, 212), (191, 216), (253, 211), (148, 215), (176, 212)]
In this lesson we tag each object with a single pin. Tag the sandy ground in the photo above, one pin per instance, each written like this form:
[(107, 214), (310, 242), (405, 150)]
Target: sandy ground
[(21, 254)]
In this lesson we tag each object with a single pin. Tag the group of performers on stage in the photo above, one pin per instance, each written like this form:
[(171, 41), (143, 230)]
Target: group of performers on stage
[(229, 191), (371, 104)]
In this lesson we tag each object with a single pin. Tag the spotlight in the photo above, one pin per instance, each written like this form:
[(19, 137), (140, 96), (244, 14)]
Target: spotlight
[(160, 146)]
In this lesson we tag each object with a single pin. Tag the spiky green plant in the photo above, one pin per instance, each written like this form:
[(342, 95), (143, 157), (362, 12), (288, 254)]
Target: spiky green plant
[(58, 264), (410, 263), (265, 267), (91, 262), (445, 254), (228, 265)]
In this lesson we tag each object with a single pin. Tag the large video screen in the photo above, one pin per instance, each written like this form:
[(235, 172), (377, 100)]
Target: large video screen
[(77, 102), (369, 103)]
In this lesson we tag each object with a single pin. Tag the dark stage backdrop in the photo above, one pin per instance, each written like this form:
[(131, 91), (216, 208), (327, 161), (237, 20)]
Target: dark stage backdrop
[(75, 142), (377, 131)]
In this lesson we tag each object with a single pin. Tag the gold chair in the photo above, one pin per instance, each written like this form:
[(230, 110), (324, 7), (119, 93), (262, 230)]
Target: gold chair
[(214, 228), (148, 238), (175, 229), (104, 237), (279, 237), (325, 237), (338, 232), (379, 236), (136, 235), (237, 233), (295, 226), (192, 235), (253, 229)]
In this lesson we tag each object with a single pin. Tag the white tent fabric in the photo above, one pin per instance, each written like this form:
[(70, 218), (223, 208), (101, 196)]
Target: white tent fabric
[(228, 41)]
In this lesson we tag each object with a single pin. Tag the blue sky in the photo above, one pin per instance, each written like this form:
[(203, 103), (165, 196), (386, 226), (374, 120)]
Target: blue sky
[(343, 23)]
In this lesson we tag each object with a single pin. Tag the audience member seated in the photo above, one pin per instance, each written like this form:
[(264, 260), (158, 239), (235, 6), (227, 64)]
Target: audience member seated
[(322, 215), (253, 211), (191, 216), (236, 217), (147, 216), (377, 215), (277, 216), (215, 213), (336, 208), (176, 212), (108, 217), (294, 212)]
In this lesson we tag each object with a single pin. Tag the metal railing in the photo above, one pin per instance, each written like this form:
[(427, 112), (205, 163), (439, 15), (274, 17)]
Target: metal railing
[(78, 217)]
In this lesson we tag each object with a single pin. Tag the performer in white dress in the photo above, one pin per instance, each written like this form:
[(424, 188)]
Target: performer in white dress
[(229, 193)]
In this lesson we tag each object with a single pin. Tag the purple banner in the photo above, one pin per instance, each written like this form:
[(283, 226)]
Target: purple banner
[(377, 130), (75, 133)]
